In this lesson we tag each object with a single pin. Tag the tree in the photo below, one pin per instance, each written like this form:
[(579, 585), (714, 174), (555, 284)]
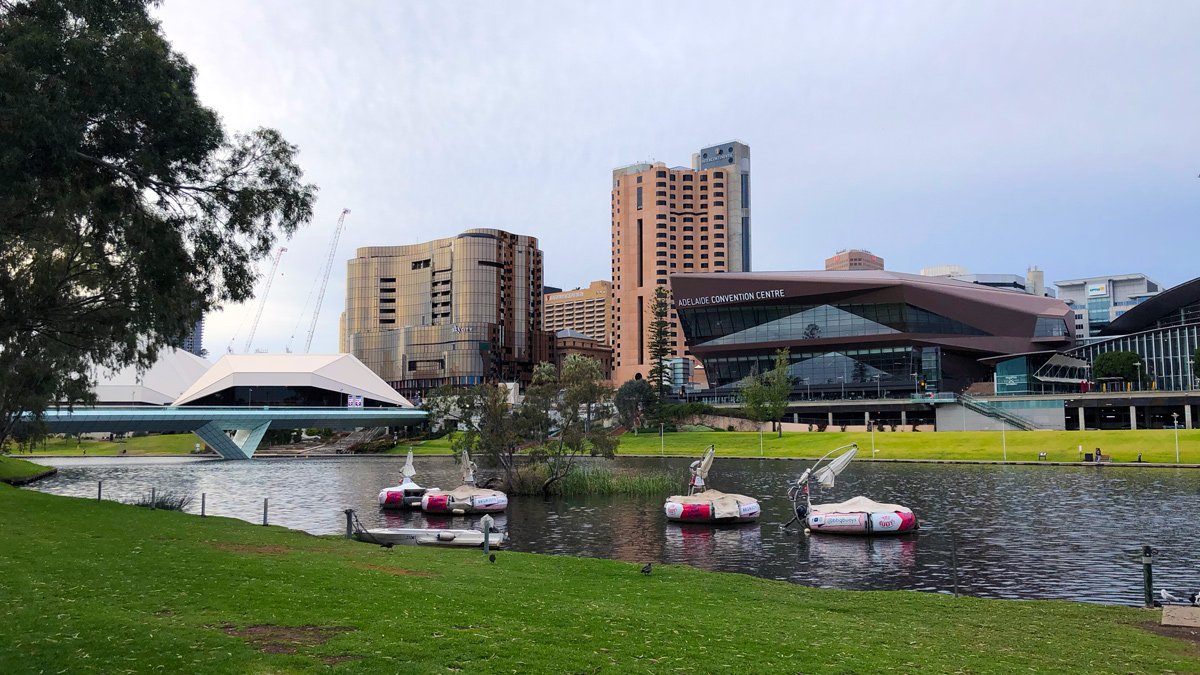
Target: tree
[(1117, 364), (482, 421), (126, 210), (660, 341), (632, 400), (577, 400), (765, 397)]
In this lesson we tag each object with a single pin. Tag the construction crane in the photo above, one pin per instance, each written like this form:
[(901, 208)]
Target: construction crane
[(262, 302), (337, 234)]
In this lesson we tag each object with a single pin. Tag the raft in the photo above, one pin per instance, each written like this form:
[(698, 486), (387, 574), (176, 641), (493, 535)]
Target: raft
[(861, 515), (464, 499), (712, 506)]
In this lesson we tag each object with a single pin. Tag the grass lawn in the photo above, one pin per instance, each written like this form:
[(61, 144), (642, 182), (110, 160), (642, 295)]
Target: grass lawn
[(437, 446), (138, 590), (1156, 445), (13, 469), (166, 444)]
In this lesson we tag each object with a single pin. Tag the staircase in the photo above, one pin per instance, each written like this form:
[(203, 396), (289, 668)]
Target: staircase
[(996, 412), (343, 445)]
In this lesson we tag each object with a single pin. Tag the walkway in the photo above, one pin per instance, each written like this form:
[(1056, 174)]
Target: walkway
[(213, 424)]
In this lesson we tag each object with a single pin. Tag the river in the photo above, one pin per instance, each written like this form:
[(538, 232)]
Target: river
[(1014, 531)]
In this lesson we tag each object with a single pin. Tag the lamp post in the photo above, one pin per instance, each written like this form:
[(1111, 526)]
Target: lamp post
[(1175, 419), (871, 426), (250, 397), (878, 386), (1138, 365), (1004, 440), (916, 389), (842, 379)]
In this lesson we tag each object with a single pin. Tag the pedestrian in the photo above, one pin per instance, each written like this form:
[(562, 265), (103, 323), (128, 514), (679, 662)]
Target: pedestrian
[(1097, 454)]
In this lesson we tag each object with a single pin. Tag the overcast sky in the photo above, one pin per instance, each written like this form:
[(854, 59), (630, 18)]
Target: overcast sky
[(989, 135)]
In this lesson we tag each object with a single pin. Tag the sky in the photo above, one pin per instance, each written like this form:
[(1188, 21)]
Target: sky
[(992, 135)]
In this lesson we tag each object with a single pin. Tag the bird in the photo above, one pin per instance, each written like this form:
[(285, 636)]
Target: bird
[(1165, 595), (648, 568), (388, 545), (492, 558)]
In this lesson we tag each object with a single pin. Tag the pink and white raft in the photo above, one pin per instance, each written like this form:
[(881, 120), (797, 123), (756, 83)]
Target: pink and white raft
[(859, 515), (709, 506)]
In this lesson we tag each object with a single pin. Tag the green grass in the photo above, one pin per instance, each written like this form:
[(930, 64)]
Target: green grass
[(584, 480), (1156, 445), (139, 590), (166, 444), (13, 469)]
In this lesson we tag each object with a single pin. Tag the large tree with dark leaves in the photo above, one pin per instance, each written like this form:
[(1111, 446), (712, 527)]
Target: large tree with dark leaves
[(126, 211)]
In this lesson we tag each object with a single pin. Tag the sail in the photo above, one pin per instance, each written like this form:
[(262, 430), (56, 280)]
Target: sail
[(409, 470), (830, 471), (706, 463), (468, 469)]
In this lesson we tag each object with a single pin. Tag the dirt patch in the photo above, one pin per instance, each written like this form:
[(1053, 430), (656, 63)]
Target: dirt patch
[(271, 639), (398, 571), (1185, 633), (264, 549)]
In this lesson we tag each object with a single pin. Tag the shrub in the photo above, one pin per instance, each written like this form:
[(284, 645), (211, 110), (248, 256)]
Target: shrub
[(167, 501)]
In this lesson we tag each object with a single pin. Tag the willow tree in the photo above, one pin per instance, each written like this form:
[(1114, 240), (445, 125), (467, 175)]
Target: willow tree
[(126, 209)]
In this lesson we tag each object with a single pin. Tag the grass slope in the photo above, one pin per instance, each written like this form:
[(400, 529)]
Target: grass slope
[(138, 590), (166, 444), (13, 469), (1156, 445)]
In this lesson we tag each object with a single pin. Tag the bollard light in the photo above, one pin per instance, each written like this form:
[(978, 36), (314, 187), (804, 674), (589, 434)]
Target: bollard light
[(486, 523), (1148, 573)]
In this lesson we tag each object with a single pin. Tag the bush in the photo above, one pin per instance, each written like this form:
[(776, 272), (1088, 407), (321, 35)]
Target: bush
[(167, 501), (673, 413), (378, 445)]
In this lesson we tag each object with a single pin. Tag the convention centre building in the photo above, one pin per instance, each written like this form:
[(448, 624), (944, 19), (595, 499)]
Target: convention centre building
[(861, 334)]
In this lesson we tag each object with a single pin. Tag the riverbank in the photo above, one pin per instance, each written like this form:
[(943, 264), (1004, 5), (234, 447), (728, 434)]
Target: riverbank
[(141, 590), (1155, 445), (15, 471)]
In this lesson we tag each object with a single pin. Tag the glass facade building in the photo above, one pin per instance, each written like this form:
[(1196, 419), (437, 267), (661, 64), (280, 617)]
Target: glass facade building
[(457, 311), (859, 334), (1164, 330)]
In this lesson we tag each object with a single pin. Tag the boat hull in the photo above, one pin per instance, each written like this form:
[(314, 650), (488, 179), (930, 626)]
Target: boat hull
[(416, 536), (861, 522), (712, 507)]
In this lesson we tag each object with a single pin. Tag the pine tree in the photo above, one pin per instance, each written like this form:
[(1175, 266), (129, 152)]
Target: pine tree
[(660, 342)]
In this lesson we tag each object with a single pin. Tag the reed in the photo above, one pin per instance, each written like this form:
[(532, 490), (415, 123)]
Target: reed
[(604, 481), (165, 501)]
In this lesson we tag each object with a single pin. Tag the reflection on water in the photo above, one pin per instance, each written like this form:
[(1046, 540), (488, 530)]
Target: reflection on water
[(1018, 531)]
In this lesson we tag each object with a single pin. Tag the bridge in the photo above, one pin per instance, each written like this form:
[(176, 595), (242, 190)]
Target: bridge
[(213, 425)]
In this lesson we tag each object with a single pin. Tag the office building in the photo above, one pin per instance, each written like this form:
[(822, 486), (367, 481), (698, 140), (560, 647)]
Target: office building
[(1098, 301), (194, 343), (853, 259), (585, 310), (1033, 283), (568, 342), (673, 221), (458, 311), (854, 334)]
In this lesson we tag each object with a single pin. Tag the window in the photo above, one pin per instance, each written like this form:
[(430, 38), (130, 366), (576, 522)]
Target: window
[(661, 202), (661, 174), (718, 203), (639, 179), (491, 263), (421, 264), (388, 280), (687, 178), (639, 197)]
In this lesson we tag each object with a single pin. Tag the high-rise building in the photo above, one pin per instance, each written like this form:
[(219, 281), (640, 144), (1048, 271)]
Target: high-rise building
[(585, 310), (853, 259), (1098, 301), (673, 221), (194, 343), (459, 311)]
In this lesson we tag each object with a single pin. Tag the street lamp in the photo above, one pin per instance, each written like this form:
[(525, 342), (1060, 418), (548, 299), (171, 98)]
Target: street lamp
[(871, 426), (807, 389), (250, 397), (916, 389), (878, 386), (1138, 365), (843, 381), (1175, 419)]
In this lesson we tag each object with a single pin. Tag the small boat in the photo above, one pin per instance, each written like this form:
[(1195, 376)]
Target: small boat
[(420, 536), (702, 505), (853, 516), (466, 498), (406, 495)]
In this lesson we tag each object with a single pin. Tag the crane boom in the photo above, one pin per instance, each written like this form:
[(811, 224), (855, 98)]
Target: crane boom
[(262, 302), (337, 234)]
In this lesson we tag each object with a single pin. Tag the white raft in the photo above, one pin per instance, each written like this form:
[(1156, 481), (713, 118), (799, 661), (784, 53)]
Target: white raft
[(709, 506), (406, 495), (466, 498), (419, 536), (853, 516)]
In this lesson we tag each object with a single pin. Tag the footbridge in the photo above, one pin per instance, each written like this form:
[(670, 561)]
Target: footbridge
[(233, 432)]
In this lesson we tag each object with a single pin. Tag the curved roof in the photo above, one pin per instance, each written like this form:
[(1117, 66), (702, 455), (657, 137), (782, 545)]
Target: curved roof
[(173, 372), (1144, 315), (332, 372)]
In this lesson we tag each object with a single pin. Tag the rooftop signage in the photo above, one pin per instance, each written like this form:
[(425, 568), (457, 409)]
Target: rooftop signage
[(748, 296)]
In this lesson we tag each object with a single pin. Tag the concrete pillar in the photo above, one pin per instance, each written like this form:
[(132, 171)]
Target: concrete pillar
[(867, 420), (903, 418), (795, 418), (831, 418), (1133, 417), (1187, 416), (1082, 426)]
